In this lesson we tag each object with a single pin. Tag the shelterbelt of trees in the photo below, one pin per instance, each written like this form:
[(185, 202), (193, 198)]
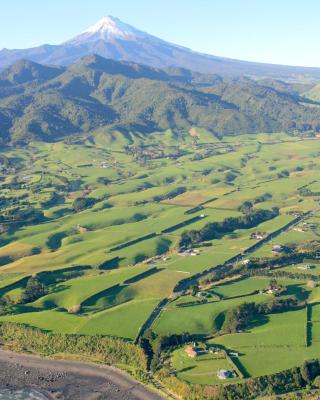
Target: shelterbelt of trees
[(213, 230), (104, 349)]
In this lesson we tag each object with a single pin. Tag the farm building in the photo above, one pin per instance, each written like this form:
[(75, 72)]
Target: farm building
[(257, 236), (277, 248), (305, 267), (224, 374), (191, 351)]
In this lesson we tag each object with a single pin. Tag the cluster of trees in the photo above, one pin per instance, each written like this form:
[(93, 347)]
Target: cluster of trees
[(5, 161), (5, 305), (282, 274), (262, 198), (154, 346), (54, 199), (308, 192), (230, 177), (283, 174), (82, 203), (104, 180), (240, 317), (34, 290), (277, 288), (277, 305), (22, 216), (6, 201), (213, 230)]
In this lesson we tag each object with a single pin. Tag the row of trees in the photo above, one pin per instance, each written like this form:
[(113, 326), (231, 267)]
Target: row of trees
[(20, 216), (308, 192), (213, 230), (108, 350)]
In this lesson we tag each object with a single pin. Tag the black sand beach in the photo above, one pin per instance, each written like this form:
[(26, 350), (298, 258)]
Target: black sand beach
[(69, 379)]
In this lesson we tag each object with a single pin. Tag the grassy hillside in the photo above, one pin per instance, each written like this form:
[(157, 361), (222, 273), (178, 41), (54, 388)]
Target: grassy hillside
[(48, 103), (96, 226)]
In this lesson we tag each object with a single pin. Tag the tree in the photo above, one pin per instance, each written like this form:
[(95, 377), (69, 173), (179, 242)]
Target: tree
[(81, 203), (194, 289), (230, 177), (231, 323), (239, 317), (4, 305), (34, 290), (246, 208), (309, 370), (273, 285), (103, 180)]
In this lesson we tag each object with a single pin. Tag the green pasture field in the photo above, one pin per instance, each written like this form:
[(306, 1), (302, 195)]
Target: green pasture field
[(205, 319), (128, 264), (200, 319), (200, 370), (279, 341)]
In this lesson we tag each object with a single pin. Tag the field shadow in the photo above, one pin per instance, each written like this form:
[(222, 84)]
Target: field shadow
[(143, 275), (185, 369), (112, 263), (218, 321), (138, 258), (59, 288), (163, 246), (54, 241), (258, 321), (5, 260), (61, 275), (62, 212), (298, 291), (107, 298), (20, 284), (23, 309)]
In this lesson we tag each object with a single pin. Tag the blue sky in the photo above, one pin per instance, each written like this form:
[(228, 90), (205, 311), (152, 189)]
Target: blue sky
[(276, 31)]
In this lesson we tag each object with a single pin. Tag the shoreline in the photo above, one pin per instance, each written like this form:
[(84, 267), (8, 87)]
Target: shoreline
[(64, 379)]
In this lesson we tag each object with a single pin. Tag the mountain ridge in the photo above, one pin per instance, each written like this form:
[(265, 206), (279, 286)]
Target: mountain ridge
[(112, 38), (97, 92)]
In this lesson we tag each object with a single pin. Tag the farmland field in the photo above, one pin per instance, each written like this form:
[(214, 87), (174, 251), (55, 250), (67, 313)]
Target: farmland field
[(99, 224)]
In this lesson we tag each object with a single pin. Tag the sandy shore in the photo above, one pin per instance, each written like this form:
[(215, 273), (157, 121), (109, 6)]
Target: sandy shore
[(69, 379)]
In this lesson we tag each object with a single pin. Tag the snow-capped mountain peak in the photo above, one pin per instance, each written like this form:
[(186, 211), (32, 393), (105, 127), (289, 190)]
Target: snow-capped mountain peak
[(106, 29)]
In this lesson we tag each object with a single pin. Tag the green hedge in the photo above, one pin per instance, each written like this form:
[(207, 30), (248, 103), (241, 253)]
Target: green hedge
[(104, 349)]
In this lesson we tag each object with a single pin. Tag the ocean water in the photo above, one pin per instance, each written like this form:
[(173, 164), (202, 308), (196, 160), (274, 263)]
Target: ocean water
[(6, 394)]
